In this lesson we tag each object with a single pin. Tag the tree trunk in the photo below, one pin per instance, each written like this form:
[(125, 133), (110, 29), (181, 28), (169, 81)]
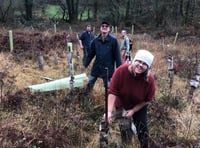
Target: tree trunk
[(72, 6), (4, 13), (127, 14), (28, 7), (95, 9), (189, 12)]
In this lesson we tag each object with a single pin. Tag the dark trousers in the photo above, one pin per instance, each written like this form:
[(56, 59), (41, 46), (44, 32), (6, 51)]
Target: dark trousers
[(85, 53), (140, 121), (92, 81)]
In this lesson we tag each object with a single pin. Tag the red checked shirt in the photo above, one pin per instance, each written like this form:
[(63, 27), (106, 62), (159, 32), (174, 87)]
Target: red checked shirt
[(129, 89)]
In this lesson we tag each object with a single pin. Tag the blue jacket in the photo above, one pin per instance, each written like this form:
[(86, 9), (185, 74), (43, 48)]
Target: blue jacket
[(107, 55), (86, 38)]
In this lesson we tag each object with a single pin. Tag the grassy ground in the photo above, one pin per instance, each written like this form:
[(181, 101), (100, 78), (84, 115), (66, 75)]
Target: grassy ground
[(59, 119)]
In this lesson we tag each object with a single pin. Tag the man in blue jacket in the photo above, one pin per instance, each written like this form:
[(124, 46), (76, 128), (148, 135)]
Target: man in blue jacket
[(105, 49), (85, 40)]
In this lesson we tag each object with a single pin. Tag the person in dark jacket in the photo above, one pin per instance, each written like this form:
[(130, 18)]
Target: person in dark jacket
[(105, 49), (85, 40)]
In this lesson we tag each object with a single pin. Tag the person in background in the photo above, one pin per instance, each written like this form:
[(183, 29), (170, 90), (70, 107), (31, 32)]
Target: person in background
[(131, 90), (125, 45), (85, 40), (105, 49)]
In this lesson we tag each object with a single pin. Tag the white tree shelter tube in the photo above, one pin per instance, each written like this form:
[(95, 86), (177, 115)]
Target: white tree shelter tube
[(59, 84)]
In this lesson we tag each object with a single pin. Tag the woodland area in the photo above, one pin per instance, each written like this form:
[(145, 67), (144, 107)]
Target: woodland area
[(149, 13), (70, 118)]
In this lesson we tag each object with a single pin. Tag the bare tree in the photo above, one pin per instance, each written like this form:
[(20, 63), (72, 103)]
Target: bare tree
[(28, 6), (70, 9), (189, 12), (95, 9), (5, 7)]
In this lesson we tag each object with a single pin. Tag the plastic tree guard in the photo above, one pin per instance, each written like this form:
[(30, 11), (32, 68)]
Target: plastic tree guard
[(59, 84)]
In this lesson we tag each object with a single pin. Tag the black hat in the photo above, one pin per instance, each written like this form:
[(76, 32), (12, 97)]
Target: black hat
[(104, 22)]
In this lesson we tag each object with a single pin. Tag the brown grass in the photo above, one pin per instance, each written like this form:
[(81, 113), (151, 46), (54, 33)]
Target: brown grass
[(47, 119)]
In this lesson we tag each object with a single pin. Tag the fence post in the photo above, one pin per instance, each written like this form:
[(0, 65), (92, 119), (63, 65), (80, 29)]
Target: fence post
[(175, 39), (55, 30), (132, 29), (55, 58), (70, 62), (1, 85), (41, 62), (170, 61), (116, 30)]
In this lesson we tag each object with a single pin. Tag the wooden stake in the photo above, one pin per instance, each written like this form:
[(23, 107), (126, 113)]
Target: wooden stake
[(112, 29), (132, 29), (170, 61), (116, 30), (55, 58), (175, 40), (55, 30), (1, 85), (41, 62)]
